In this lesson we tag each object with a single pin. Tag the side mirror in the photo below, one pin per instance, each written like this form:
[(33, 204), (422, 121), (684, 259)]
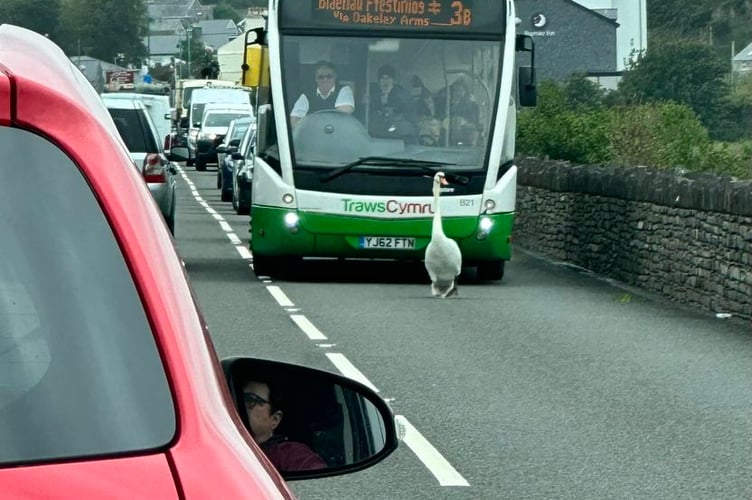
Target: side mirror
[(333, 425), (237, 156), (231, 149), (184, 122), (527, 89), (235, 142), (178, 153), (221, 149)]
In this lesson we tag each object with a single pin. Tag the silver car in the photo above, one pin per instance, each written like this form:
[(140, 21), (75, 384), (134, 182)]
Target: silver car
[(143, 142)]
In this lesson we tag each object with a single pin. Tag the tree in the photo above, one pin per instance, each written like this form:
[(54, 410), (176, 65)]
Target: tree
[(105, 28), (681, 71), (40, 16)]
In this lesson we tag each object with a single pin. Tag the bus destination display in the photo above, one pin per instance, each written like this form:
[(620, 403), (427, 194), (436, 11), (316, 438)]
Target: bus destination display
[(469, 16)]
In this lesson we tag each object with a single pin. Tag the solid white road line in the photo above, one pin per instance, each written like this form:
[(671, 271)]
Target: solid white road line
[(431, 458), (234, 238), (304, 324), (226, 227), (280, 296), (348, 369)]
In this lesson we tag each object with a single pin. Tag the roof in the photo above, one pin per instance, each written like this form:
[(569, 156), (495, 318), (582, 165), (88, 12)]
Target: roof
[(163, 44), (217, 26), (181, 8), (593, 12), (744, 55)]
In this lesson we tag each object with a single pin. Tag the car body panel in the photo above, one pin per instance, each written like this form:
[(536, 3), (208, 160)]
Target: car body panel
[(89, 479), (211, 441)]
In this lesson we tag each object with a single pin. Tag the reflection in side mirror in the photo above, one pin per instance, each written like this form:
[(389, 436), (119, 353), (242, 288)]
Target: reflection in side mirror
[(178, 153), (310, 423)]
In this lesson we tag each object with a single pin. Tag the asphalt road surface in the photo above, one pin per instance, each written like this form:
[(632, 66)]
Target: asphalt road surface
[(551, 384)]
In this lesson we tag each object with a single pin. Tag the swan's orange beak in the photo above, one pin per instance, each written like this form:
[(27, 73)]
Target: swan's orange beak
[(444, 181)]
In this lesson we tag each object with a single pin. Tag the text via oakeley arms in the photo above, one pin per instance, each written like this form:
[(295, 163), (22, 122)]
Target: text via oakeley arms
[(398, 12)]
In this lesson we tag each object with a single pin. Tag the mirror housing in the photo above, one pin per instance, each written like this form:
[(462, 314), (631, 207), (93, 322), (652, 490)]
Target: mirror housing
[(237, 156), (346, 423), (178, 153), (235, 142), (184, 122), (221, 149), (527, 88)]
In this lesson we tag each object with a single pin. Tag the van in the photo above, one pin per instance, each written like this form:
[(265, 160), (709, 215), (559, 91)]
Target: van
[(200, 98), (212, 129)]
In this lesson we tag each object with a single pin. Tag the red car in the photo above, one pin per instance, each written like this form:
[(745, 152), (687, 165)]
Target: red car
[(109, 384)]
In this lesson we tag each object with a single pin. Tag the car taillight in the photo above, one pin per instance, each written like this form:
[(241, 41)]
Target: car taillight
[(152, 169)]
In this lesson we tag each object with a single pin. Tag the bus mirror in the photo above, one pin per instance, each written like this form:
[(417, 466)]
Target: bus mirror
[(255, 67), (524, 43), (527, 90)]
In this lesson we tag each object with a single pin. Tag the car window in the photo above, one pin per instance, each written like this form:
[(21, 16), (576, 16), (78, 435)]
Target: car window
[(239, 130), (133, 127), (221, 119), (80, 373)]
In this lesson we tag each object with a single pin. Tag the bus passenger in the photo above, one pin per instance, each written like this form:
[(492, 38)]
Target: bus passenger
[(325, 95), (422, 99), (390, 107)]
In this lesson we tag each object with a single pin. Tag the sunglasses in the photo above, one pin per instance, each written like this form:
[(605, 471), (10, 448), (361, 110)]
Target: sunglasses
[(328, 76), (252, 399)]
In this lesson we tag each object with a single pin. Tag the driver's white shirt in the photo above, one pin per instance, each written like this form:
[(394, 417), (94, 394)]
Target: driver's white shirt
[(344, 98)]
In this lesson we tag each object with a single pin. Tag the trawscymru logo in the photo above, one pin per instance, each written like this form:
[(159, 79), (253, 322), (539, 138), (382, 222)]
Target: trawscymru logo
[(389, 206)]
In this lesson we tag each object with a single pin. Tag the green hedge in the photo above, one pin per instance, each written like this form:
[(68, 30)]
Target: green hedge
[(573, 122)]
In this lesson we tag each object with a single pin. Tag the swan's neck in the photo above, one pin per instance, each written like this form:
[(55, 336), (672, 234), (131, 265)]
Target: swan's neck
[(437, 228)]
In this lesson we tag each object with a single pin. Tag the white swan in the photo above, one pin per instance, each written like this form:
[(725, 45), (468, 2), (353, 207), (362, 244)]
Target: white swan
[(443, 257)]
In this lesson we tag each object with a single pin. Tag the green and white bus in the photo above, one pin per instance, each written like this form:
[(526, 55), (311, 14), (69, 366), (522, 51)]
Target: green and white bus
[(359, 184)]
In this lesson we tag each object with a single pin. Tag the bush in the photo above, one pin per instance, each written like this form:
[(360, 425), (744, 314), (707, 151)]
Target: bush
[(658, 135), (572, 123)]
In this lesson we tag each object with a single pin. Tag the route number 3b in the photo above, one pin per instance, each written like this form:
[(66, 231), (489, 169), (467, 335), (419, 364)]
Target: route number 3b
[(461, 15)]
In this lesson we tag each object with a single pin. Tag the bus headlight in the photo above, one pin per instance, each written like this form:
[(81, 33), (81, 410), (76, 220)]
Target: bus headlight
[(484, 227), (292, 222)]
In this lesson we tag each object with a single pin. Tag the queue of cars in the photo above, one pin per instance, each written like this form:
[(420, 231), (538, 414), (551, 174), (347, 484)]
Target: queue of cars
[(144, 143), (111, 387)]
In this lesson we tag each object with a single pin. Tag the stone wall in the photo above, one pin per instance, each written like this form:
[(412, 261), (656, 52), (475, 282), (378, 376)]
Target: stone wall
[(686, 236)]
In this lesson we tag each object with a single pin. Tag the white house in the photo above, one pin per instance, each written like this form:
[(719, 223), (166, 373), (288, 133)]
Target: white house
[(632, 33)]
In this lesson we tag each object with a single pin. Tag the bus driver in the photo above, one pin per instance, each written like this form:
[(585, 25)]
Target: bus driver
[(326, 95)]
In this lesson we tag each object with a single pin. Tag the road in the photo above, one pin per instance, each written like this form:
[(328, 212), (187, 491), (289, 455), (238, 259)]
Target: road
[(551, 384)]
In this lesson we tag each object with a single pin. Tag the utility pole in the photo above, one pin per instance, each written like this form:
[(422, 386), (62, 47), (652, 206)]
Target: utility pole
[(189, 34)]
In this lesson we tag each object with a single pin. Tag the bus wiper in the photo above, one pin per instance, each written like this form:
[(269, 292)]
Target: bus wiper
[(384, 161)]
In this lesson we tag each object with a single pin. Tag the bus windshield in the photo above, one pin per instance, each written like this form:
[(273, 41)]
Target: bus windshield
[(411, 99)]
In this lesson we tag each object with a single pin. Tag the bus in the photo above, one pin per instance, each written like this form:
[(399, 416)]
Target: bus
[(358, 184)]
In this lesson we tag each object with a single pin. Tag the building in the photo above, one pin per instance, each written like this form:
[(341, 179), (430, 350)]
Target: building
[(632, 32), (94, 70), (742, 62), (569, 38)]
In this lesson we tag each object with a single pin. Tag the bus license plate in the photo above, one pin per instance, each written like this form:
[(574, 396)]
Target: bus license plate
[(387, 242)]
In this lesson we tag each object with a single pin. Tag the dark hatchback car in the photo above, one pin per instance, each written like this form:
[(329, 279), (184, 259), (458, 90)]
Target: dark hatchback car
[(229, 145), (110, 385), (242, 173)]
